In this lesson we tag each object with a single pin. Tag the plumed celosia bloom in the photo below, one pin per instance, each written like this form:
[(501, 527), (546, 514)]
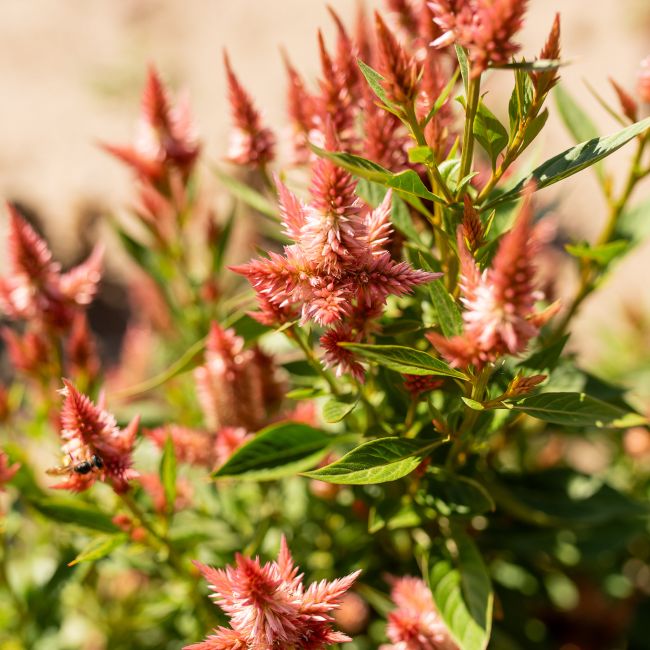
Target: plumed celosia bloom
[(237, 387), (484, 27), (416, 623), (191, 446), (628, 104), (643, 83), (35, 289), (81, 350), (153, 486), (338, 270), (29, 353), (545, 80), (269, 607), (87, 430), (7, 471), (165, 135), (499, 303), (250, 142)]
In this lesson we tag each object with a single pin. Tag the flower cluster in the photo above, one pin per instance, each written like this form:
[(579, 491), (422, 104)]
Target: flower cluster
[(415, 624), (484, 27), (499, 315), (270, 608), (93, 446), (338, 271)]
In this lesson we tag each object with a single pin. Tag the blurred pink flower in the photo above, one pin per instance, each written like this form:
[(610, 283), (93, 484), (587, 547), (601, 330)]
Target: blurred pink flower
[(7, 472), (191, 446), (87, 430), (416, 623), (35, 289), (484, 27), (165, 135), (269, 607), (643, 83), (250, 142)]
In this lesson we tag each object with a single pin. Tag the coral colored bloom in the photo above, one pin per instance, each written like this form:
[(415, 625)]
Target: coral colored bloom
[(270, 608), (643, 83), (484, 27), (191, 446), (165, 135), (88, 430), (35, 289), (7, 472), (81, 350), (416, 623), (250, 142), (499, 303)]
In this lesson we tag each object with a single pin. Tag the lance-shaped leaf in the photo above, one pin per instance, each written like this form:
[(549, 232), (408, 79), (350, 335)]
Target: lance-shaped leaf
[(248, 195), (99, 548), (167, 472), (283, 449), (67, 511), (463, 595), (336, 408), (447, 312), (376, 461), (405, 360), (375, 80), (577, 410), (489, 132), (602, 253), (573, 160)]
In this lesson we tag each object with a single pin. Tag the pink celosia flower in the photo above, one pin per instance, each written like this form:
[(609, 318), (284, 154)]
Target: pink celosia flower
[(338, 358), (7, 472), (418, 384), (628, 104), (35, 289), (88, 430), (81, 350), (484, 27), (346, 59), (153, 486), (250, 142), (643, 84), (269, 607), (407, 15), (236, 387), (416, 623), (29, 353), (544, 81), (191, 446), (165, 135), (499, 303), (301, 107)]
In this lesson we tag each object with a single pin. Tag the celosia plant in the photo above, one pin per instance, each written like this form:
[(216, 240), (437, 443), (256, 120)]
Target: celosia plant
[(378, 378)]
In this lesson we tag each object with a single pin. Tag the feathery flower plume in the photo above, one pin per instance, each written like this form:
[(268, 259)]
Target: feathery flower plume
[(29, 353), (165, 135), (153, 486), (484, 27), (407, 17), (416, 623), (400, 70), (340, 359), (235, 385), (35, 289), (302, 108), (7, 472), (473, 230), (544, 81), (418, 384), (362, 36), (88, 431), (191, 446), (81, 350), (250, 142), (269, 607), (499, 303), (346, 59), (643, 83)]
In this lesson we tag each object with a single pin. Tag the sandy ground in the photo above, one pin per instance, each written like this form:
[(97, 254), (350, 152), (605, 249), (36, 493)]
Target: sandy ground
[(71, 72)]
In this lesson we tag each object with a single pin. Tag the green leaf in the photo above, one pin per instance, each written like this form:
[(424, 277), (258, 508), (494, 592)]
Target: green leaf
[(463, 64), (447, 312), (99, 548), (442, 98), (573, 160), (168, 473), (547, 357), (374, 80), (67, 511), (283, 449), (533, 130), (372, 193), (422, 154), (520, 100), (538, 65), (489, 132), (463, 595), (376, 461), (306, 393), (404, 360), (406, 182), (577, 410), (634, 222), (400, 217), (603, 254), (247, 194), (454, 495), (336, 409), (220, 247), (577, 122)]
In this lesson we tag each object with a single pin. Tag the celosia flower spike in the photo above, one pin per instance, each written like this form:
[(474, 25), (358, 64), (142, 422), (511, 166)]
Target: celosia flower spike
[(250, 142), (88, 431), (269, 607), (628, 104), (643, 83), (415, 624), (400, 71), (544, 81)]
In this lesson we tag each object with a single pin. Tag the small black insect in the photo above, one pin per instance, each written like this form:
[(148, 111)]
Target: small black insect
[(83, 467)]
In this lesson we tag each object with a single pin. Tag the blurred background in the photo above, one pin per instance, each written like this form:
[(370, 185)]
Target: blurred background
[(72, 72)]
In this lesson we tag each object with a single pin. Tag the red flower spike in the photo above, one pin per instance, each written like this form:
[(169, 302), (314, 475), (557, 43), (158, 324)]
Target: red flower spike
[(544, 81), (191, 446), (400, 71), (416, 623), (81, 349), (628, 104), (346, 58), (250, 142), (88, 430), (341, 360), (643, 83), (269, 607), (406, 15)]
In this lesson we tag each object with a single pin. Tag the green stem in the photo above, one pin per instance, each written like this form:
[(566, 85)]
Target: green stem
[(296, 335), (467, 156), (19, 606)]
